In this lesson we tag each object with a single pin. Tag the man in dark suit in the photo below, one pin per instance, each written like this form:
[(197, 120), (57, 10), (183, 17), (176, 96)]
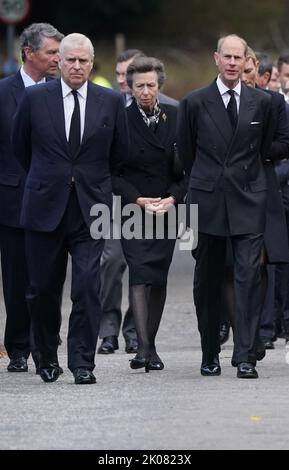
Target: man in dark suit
[(39, 45), (79, 136), (224, 133)]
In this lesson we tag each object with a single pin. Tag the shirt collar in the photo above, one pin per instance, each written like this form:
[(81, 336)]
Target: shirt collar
[(66, 89), (27, 80), (223, 88)]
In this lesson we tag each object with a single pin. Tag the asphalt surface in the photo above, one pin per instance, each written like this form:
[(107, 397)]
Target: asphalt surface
[(176, 408)]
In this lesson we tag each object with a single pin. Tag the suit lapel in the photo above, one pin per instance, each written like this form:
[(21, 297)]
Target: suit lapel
[(136, 120), (218, 113), (246, 110), (94, 102), (54, 101), (18, 87)]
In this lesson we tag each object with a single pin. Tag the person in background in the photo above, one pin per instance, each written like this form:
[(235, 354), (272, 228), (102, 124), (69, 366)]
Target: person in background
[(98, 79), (39, 45), (274, 82), (113, 263)]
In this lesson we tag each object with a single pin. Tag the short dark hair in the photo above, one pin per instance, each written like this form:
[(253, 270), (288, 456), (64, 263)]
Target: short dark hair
[(129, 54), (265, 63), (283, 59), (143, 65), (33, 35)]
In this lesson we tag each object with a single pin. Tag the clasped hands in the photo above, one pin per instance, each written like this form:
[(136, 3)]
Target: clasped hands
[(156, 205)]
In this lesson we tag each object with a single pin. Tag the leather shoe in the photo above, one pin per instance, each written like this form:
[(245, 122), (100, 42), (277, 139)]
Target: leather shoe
[(49, 371), (83, 376), (18, 364), (246, 370), (224, 332), (108, 346), (155, 362), (268, 343), (131, 345), (37, 371), (138, 362), (261, 351), (211, 368)]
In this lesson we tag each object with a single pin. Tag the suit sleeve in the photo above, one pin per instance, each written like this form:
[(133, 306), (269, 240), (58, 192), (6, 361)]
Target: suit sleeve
[(268, 129), (186, 137), (280, 145), (120, 145), (21, 133)]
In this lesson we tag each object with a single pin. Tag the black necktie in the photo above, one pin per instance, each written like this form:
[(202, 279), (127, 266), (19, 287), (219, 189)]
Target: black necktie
[(74, 132), (232, 109)]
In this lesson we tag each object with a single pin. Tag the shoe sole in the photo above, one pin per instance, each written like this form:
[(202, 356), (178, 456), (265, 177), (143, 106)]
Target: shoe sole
[(205, 374), (247, 376), (85, 382), (105, 352)]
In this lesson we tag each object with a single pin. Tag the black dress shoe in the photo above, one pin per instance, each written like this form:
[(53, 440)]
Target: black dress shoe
[(138, 362), (224, 332), (83, 376), (211, 368), (268, 343), (131, 345), (37, 370), (156, 365), (261, 351), (246, 370), (49, 372), (18, 364), (108, 346)]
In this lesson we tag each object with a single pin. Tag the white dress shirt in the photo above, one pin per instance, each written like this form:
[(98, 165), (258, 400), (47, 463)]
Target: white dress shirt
[(68, 104), (223, 89), (27, 80)]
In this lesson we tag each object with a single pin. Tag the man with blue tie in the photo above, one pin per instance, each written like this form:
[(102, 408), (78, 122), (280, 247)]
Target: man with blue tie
[(39, 44), (79, 136)]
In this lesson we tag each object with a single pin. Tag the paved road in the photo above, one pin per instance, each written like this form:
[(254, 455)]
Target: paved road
[(173, 409)]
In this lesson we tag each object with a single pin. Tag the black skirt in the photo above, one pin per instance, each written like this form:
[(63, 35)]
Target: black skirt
[(149, 259)]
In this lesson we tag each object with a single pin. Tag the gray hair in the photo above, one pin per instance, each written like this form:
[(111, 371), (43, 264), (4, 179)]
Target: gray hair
[(143, 65), (33, 36), (129, 54), (232, 36), (76, 40)]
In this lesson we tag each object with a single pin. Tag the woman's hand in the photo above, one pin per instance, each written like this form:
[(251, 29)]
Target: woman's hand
[(161, 207), (145, 201)]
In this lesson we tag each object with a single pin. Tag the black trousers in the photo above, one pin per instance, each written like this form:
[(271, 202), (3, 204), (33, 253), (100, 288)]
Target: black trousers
[(113, 265), (210, 256), (18, 338), (47, 255)]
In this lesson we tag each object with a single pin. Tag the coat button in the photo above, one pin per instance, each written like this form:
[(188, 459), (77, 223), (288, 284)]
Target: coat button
[(245, 167), (252, 146), (245, 188)]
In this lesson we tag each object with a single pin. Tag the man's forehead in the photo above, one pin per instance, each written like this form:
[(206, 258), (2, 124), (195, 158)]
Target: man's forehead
[(233, 44)]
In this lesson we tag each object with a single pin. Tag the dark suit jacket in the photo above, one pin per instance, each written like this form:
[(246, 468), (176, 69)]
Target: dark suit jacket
[(275, 236), (12, 175), (227, 178), (149, 170), (41, 146)]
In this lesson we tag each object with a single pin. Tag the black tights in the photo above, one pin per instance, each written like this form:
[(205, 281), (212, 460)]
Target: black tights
[(147, 304)]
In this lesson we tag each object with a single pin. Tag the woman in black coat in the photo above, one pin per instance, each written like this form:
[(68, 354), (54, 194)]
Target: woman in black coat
[(154, 182)]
